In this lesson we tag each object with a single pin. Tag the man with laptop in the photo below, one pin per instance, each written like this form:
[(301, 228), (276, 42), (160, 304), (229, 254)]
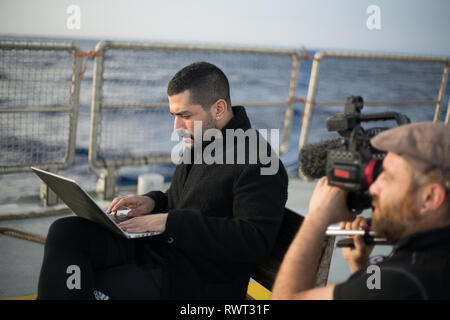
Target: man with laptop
[(213, 225)]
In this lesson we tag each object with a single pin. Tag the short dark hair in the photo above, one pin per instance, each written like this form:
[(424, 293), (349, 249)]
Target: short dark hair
[(206, 82)]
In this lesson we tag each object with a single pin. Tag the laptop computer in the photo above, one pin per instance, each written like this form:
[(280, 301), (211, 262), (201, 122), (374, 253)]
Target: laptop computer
[(83, 205)]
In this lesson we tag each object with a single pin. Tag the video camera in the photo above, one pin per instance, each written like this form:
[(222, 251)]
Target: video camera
[(351, 162)]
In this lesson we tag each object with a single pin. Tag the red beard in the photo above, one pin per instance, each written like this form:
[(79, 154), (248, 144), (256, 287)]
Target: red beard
[(395, 221)]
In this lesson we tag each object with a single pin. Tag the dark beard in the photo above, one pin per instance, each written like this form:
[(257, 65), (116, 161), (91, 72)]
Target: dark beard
[(208, 123)]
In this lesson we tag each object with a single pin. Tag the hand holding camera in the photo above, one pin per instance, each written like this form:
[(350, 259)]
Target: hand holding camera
[(357, 255), (329, 203)]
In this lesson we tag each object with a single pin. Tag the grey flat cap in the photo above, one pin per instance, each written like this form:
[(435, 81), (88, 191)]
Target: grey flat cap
[(424, 145)]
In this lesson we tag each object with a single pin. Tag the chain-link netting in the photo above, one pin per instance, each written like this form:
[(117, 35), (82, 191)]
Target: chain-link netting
[(35, 106)]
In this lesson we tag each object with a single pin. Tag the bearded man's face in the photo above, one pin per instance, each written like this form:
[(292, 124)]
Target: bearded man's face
[(395, 207)]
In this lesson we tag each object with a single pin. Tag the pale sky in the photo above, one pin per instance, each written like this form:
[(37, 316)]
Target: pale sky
[(407, 26)]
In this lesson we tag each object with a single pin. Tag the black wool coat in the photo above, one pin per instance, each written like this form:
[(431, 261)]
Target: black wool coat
[(223, 220)]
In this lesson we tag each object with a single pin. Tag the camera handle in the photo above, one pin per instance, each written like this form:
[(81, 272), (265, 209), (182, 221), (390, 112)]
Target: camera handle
[(369, 236), (348, 243), (399, 118)]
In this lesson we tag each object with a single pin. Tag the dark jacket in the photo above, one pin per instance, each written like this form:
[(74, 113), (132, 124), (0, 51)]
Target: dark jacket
[(223, 220), (419, 268)]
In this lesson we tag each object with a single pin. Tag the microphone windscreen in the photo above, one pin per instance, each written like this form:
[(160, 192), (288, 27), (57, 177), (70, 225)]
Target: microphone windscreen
[(313, 157)]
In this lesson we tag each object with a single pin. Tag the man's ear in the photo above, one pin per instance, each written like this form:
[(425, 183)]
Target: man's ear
[(432, 197), (220, 109)]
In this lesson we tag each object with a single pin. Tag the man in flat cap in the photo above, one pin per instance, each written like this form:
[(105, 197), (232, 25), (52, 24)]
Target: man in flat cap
[(411, 208)]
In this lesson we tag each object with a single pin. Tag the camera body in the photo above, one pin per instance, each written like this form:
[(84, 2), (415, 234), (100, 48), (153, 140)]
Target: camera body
[(355, 164)]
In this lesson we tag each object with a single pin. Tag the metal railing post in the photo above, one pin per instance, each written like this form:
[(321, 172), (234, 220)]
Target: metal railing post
[(441, 94), (74, 101), (97, 81), (447, 117), (309, 105), (291, 103), (106, 184)]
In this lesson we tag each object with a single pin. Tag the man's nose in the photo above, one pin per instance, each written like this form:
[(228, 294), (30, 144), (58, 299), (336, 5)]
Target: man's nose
[(178, 123), (374, 187)]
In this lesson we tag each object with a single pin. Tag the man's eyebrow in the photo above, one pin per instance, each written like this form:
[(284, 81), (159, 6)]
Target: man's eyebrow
[(181, 113), (386, 172)]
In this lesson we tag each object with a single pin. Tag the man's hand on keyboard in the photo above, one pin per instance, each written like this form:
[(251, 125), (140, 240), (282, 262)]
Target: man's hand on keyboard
[(138, 205), (148, 223)]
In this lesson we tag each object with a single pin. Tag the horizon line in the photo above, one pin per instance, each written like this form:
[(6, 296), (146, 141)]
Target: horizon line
[(259, 45)]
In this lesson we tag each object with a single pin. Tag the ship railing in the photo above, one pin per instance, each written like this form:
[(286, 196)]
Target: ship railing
[(39, 81)]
